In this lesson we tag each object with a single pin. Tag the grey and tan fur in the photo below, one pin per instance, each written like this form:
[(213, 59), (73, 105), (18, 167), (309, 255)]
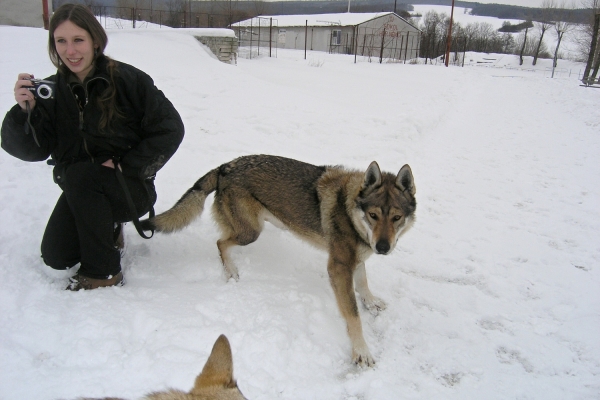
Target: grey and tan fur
[(215, 382), (350, 214)]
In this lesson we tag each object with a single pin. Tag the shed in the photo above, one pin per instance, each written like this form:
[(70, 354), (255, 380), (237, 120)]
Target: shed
[(385, 34)]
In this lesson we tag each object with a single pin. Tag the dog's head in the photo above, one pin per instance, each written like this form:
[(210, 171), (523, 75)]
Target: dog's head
[(385, 207)]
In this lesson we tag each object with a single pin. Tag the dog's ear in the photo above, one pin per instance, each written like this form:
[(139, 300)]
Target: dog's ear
[(218, 370), (372, 176), (405, 180)]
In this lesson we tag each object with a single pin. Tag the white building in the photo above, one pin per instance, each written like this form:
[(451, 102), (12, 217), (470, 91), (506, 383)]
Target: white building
[(385, 35)]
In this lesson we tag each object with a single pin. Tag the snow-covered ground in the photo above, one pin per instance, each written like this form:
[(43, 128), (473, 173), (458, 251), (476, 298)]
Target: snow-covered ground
[(494, 294)]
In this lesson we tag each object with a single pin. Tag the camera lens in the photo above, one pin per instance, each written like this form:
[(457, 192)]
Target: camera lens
[(44, 91)]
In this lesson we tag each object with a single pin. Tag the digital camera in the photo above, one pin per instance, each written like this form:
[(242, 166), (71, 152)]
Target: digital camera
[(42, 89)]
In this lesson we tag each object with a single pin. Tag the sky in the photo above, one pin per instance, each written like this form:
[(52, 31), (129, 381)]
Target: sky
[(493, 294)]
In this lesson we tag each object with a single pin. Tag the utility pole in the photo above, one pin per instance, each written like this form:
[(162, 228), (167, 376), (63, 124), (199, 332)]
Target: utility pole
[(449, 42)]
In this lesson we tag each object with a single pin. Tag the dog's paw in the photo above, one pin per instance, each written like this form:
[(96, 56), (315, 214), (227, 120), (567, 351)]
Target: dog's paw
[(231, 273), (363, 358), (373, 304)]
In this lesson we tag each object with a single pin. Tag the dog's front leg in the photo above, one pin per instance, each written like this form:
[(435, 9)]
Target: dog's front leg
[(372, 303), (340, 276)]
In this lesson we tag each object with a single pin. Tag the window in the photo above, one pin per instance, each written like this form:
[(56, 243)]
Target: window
[(336, 37)]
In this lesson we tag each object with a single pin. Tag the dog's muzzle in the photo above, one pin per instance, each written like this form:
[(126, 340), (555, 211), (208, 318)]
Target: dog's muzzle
[(382, 247)]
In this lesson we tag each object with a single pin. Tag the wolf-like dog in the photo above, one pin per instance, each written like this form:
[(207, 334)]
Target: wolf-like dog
[(215, 382), (350, 214)]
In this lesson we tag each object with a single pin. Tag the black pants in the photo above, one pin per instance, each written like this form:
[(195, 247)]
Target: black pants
[(80, 229)]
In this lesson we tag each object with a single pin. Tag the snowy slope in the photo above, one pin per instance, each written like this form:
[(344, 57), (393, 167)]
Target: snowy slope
[(492, 295)]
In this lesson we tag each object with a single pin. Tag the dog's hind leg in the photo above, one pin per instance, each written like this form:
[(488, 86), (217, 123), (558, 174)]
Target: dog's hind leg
[(238, 216), (229, 267), (372, 303)]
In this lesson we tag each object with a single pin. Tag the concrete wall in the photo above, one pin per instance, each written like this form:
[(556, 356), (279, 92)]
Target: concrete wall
[(225, 48), (23, 12)]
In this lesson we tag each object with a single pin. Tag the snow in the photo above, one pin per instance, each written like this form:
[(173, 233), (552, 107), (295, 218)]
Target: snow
[(462, 15), (493, 294)]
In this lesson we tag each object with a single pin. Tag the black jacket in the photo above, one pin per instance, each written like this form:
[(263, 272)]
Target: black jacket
[(144, 139)]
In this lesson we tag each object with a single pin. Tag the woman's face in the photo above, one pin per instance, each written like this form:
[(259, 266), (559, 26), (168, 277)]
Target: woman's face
[(75, 48)]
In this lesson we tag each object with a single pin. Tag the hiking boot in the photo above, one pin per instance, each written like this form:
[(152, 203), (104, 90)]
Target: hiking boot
[(80, 282), (119, 238)]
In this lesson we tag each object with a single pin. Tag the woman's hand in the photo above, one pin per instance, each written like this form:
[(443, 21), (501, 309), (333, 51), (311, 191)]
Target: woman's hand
[(110, 164), (22, 94)]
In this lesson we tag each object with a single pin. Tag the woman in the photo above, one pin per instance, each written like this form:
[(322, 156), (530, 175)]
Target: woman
[(108, 130)]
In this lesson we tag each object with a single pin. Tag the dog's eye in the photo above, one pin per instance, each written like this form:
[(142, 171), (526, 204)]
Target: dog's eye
[(373, 215), (397, 217)]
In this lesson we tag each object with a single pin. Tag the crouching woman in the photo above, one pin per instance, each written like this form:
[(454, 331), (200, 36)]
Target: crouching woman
[(108, 130)]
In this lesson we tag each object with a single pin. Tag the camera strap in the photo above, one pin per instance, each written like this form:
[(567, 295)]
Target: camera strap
[(29, 125), (132, 209)]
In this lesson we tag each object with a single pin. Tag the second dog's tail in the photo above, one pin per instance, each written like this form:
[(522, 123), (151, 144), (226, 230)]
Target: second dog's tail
[(187, 209)]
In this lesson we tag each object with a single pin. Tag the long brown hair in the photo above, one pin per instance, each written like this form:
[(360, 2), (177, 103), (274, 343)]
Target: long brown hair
[(83, 18)]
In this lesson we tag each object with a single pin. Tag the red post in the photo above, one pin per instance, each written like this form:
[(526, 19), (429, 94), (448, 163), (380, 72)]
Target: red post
[(449, 41), (45, 15)]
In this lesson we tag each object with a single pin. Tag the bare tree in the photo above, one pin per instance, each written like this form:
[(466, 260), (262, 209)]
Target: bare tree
[(176, 10), (544, 24), (523, 47), (429, 39), (561, 28), (259, 7), (588, 39)]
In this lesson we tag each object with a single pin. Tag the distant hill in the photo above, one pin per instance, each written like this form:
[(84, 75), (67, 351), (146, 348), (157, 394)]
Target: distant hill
[(252, 8)]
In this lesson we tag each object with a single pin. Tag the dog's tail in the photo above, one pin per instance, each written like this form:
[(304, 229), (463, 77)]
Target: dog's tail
[(187, 209)]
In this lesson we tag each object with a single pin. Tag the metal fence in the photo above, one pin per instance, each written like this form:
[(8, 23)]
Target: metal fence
[(260, 37), (144, 18), (387, 47)]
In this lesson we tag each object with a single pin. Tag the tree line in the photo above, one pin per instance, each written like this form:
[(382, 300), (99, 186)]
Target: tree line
[(524, 39)]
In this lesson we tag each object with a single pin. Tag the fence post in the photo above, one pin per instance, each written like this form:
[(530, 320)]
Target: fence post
[(355, 42), (406, 48), (464, 51), (382, 44), (270, 35), (305, 38)]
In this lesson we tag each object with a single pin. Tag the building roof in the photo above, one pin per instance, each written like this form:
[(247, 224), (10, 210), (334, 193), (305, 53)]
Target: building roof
[(337, 19)]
